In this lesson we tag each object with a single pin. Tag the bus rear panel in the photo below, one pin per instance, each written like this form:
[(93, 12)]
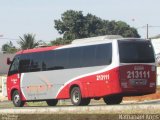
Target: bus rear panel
[(137, 67)]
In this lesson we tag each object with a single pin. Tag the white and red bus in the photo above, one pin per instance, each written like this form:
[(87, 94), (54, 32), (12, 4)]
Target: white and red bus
[(86, 69)]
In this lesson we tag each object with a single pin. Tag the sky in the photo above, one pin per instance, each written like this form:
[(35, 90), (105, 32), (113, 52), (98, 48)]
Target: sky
[(18, 17)]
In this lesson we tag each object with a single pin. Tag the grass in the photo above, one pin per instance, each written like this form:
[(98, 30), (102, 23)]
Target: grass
[(6, 105)]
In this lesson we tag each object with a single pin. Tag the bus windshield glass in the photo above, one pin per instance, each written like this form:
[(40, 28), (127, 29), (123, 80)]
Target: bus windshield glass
[(137, 51)]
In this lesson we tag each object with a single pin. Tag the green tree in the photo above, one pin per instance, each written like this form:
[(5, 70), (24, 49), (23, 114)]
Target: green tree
[(123, 29), (74, 25), (60, 41), (71, 25), (94, 26), (28, 41), (9, 48)]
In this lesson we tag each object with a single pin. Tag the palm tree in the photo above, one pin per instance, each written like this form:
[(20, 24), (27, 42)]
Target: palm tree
[(28, 41)]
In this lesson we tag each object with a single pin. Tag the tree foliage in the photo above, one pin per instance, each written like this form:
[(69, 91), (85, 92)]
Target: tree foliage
[(27, 41), (75, 25), (60, 41), (9, 48)]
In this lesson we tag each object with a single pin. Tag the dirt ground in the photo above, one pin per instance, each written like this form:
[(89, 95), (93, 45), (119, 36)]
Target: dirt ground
[(145, 97), (2, 98)]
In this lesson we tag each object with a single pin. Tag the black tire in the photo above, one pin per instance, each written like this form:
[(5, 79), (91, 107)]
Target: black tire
[(76, 97), (86, 101), (112, 100), (52, 102), (17, 99)]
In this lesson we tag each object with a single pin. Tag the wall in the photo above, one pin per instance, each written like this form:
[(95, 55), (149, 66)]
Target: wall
[(3, 62), (156, 45)]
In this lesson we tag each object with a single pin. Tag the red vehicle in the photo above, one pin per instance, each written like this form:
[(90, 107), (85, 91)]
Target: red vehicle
[(84, 70)]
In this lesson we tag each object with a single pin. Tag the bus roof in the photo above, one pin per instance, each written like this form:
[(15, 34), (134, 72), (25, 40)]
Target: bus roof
[(37, 49), (80, 42), (95, 39)]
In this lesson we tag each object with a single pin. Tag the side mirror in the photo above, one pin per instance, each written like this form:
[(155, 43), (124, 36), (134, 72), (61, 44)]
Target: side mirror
[(9, 61)]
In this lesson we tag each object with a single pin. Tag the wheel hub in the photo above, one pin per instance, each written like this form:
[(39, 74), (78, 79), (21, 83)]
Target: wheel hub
[(76, 96), (16, 99)]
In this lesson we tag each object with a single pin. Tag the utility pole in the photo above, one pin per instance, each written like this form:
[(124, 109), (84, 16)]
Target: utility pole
[(146, 27), (147, 31)]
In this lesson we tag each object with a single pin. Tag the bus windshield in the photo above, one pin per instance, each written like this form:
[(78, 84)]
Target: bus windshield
[(138, 51)]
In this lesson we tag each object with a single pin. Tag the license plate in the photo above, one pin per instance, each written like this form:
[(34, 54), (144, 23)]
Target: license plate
[(138, 82)]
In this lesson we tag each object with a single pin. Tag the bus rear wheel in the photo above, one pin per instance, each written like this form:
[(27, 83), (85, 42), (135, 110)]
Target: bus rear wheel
[(86, 101), (17, 99), (52, 102), (76, 97), (112, 100)]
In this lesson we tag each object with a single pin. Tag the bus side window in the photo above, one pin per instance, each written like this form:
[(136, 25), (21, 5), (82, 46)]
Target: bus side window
[(36, 62), (88, 57), (75, 57), (104, 54), (14, 67), (24, 63), (48, 61), (60, 56)]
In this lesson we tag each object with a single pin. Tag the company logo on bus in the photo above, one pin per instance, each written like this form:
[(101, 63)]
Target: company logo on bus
[(39, 89)]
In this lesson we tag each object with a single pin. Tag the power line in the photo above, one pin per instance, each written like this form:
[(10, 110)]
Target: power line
[(147, 29), (19, 39), (150, 26), (14, 39), (10, 38)]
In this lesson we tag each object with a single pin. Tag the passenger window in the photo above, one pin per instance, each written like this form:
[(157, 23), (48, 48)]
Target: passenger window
[(24, 63), (61, 59), (36, 62), (14, 67), (104, 54), (75, 57), (48, 61), (88, 57)]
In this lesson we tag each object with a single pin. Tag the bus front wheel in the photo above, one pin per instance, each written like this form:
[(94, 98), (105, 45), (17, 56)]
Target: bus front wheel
[(112, 100), (52, 102), (17, 99), (77, 99)]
